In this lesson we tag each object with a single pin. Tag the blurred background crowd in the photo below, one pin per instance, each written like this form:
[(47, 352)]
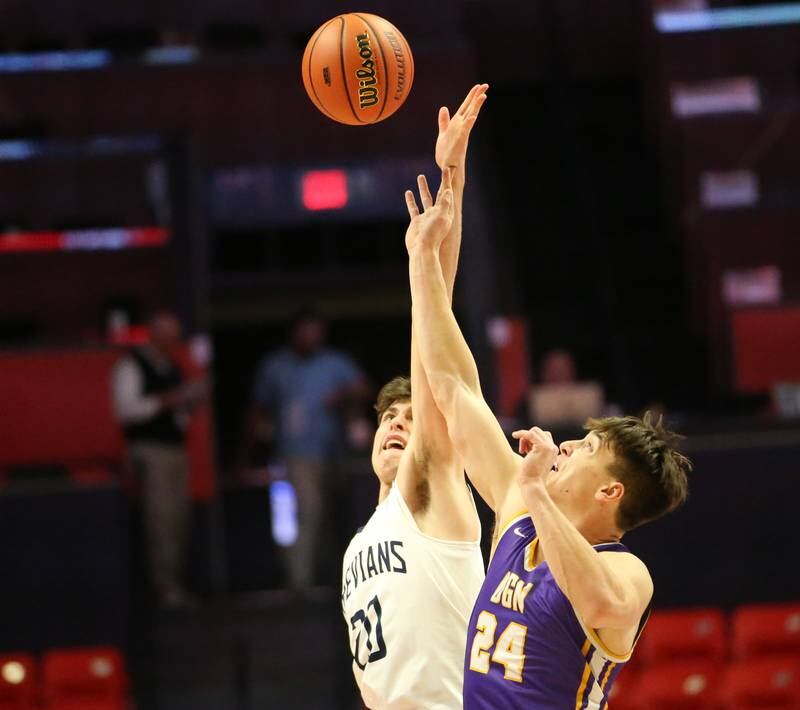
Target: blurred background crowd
[(203, 284)]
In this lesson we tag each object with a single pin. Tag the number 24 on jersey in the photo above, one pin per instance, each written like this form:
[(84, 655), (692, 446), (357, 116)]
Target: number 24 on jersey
[(509, 651)]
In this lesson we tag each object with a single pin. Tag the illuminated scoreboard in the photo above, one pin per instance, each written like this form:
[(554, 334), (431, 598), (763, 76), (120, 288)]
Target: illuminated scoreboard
[(286, 195)]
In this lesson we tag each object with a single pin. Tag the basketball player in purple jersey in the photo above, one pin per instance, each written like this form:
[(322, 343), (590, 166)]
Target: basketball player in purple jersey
[(563, 601)]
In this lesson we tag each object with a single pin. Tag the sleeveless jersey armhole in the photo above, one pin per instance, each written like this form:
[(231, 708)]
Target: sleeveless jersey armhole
[(593, 635)]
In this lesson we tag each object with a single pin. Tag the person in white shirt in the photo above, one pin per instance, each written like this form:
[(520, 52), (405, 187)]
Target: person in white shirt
[(153, 403), (411, 575)]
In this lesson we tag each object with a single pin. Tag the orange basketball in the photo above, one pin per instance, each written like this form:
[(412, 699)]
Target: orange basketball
[(358, 68)]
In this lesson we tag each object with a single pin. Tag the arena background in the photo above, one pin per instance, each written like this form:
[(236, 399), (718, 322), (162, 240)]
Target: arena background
[(633, 196)]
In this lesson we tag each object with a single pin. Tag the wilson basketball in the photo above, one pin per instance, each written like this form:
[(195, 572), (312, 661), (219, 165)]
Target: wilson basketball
[(358, 69)]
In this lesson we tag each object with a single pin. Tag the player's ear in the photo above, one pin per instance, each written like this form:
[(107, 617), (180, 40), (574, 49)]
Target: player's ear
[(611, 492)]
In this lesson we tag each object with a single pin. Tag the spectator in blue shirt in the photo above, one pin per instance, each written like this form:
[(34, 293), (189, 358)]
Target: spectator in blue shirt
[(299, 394)]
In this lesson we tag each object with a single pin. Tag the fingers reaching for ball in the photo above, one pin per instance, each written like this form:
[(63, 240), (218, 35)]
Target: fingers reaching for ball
[(444, 119), (454, 131), (476, 96), (411, 204), (424, 192), (429, 226), (444, 196)]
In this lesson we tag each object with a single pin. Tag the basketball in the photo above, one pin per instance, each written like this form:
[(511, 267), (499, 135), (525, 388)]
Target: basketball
[(358, 69)]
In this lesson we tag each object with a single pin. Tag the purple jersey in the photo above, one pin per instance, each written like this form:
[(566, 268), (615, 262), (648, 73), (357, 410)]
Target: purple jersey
[(526, 647)]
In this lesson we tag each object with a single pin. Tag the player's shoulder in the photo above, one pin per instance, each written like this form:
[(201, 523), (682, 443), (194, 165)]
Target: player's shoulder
[(384, 520), (519, 524), (625, 563), (512, 537)]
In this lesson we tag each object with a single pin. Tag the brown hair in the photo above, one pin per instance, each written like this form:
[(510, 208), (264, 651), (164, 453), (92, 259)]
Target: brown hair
[(646, 462), (395, 390)]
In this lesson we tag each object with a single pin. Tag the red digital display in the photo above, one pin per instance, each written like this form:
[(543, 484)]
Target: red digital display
[(324, 190)]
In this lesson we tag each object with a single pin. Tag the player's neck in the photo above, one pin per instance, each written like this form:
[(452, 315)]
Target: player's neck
[(384, 492), (597, 531)]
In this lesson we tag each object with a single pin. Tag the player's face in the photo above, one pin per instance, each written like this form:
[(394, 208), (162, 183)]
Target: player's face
[(581, 470), (391, 439)]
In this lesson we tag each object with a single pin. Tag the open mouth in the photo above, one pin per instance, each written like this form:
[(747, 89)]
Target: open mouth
[(394, 442)]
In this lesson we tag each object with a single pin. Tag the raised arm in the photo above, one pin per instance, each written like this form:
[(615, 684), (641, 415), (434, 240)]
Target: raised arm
[(450, 368), (451, 152), (431, 442), (608, 590)]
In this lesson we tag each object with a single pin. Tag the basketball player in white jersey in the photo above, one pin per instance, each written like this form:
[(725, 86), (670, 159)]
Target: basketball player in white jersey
[(411, 575)]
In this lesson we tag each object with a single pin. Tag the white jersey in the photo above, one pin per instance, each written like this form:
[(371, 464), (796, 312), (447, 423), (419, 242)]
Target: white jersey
[(407, 600)]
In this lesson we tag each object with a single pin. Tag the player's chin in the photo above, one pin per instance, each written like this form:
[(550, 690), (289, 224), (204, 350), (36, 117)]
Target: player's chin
[(391, 457), (388, 461)]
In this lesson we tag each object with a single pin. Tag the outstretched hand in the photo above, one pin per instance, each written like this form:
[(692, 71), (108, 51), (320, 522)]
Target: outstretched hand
[(429, 227), (451, 145)]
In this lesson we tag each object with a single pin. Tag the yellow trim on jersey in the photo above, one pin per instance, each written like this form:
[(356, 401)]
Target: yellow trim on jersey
[(515, 519), (587, 673), (605, 650), (530, 555), (608, 653)]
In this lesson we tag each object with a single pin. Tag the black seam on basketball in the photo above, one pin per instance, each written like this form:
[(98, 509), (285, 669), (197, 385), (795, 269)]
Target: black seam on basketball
[(385, 67), (344, 74), (311, 75)]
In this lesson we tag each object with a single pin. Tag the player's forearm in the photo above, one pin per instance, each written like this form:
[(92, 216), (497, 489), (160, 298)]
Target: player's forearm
[(597, 596), (453, 377), (445, 355), (451, 247), (431, 442), (432, 436)]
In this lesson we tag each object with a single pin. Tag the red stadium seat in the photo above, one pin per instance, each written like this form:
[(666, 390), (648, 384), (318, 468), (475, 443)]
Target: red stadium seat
[(763, 683), (691, 634), (764, 629), (84, 679), (17, 682), (680, 685)]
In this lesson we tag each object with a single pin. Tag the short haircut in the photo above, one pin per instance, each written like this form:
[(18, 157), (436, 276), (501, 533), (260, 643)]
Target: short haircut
[(397, 389), (654, 473)]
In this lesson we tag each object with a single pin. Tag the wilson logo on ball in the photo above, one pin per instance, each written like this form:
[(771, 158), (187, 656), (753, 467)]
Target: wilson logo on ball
[(358, 68), (367, 89)]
